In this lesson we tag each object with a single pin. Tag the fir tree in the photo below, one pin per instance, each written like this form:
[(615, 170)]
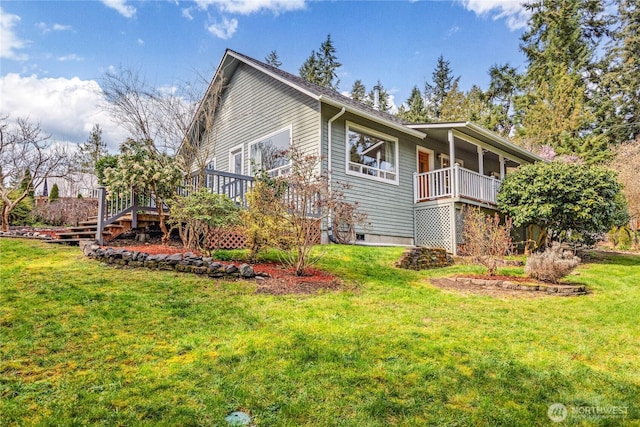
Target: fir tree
[(273, 59), (559, 45), (358, 91), (91, 151), (443, 81), (54, 194), (415, 112), (320, 67)]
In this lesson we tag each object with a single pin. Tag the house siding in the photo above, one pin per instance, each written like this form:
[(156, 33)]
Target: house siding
[(254, 105), (389, 206)]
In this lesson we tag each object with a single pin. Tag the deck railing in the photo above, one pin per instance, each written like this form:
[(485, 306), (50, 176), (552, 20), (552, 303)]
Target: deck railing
[(455, 181), (235, 186)]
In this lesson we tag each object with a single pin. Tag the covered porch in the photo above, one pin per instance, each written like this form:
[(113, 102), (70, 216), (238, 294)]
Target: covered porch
[(464, 162)]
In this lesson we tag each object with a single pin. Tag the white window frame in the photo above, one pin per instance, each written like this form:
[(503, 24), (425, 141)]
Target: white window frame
[(279, 171), (350, 126), (208, 179), (444, 157), (232, 153)]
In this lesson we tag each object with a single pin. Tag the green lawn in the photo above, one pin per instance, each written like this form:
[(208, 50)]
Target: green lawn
[(84, 343)]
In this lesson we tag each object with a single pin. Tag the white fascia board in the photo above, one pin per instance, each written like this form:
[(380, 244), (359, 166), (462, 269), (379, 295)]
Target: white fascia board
[(479, 129), (396, 126)]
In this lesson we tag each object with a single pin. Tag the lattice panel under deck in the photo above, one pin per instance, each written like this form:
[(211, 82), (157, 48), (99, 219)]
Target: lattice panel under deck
[(433, 227)]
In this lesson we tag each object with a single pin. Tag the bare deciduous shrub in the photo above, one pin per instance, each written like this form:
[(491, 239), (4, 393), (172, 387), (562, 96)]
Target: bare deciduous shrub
[(552, 264), (66, 211), (284, 212), (485, 240)]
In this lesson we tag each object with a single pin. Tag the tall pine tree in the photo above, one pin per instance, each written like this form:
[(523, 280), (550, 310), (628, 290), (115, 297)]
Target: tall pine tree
[(320, 67), (415, 110), (619, 89), (435, 92), (554, 108), (358, 91), (92, 150), (273, 59)]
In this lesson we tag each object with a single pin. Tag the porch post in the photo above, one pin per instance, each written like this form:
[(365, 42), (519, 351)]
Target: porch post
[(134, 209), (100, 222), (452, 148), (480, 160), (501, 158), (452, 163)]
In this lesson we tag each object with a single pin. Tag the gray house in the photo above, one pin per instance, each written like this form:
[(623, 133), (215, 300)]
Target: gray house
[(411, 179)]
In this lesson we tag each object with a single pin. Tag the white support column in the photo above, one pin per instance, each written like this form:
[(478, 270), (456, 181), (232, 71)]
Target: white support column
[(452, 148), (501, 159), (480, 160)]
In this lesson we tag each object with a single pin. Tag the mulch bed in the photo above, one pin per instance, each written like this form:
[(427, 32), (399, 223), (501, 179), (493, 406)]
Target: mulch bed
[(281, 280), (493, 291)]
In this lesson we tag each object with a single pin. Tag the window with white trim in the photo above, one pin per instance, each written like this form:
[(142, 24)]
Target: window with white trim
[(271, 153), (371, 154), (236, 159), (211, 166), (445, 163)]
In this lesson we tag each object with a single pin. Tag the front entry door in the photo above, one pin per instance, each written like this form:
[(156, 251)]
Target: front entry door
[(423, 166)]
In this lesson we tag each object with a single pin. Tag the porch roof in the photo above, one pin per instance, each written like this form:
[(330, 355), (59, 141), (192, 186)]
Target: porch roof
[(439, 131)]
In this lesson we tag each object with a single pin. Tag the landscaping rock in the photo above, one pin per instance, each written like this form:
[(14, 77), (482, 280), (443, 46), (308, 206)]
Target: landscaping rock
[(187, 263), (421, 258)]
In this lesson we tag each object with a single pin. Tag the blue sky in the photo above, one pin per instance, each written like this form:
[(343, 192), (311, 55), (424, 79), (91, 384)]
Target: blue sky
[(53, 54)]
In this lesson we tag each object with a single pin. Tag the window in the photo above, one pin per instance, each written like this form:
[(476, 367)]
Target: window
[(271, 153), (372, 154), (236, 159), (211, 166), (445, 163)]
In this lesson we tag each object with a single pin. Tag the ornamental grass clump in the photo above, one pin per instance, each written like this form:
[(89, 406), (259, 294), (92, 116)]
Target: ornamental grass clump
[(552, 264)]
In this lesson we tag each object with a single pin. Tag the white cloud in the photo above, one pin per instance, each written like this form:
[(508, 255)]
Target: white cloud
[(247, 7), (121, 6), (9, 41), (453, 30), (70, 57), (512, 10), (46, 28), (66, 108), (224, 29), (186, 13), (140, 42)]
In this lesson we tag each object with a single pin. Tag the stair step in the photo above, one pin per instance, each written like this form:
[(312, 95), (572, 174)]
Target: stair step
[(76, 233)]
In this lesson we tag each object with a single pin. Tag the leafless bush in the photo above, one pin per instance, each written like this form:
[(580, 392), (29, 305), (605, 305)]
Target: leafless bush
[(66, 211), (485, 240), (552, 264)]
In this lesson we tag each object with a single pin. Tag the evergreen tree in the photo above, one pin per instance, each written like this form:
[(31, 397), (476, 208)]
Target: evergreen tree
[(310, 70), (443, 81), (415, 112), (27, 183), (358, 91), (273, 59), (503, 88), (54, 194), (619, 91), (329, 64), (320, 67), (91, 151), (559, 45)]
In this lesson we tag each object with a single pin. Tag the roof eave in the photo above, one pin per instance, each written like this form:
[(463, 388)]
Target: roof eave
[(487, 133), (397, 126)]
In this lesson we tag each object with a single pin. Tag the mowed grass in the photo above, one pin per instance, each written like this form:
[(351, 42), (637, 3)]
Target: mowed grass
[(82, 343)]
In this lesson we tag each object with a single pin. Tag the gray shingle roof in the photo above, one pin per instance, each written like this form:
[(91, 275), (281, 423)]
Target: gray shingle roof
[(320, 90)]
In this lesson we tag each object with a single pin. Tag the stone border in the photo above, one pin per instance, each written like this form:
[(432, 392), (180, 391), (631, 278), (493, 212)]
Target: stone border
[(561, 290), (186, 263)]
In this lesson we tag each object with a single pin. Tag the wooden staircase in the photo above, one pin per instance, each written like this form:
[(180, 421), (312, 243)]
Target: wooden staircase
[(86, 230)]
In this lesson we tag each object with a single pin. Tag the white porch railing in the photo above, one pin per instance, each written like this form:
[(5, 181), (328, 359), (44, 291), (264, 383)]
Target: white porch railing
[(455, 181)]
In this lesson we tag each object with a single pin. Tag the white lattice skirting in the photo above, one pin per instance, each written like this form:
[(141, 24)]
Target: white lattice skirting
[(433, 227)]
